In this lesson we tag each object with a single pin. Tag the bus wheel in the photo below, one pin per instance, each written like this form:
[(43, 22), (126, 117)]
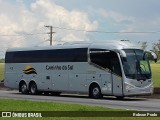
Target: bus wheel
[(95, 92), (33, 88), (23, 88)]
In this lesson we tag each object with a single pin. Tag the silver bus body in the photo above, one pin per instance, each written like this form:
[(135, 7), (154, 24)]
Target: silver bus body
[(114, 68)]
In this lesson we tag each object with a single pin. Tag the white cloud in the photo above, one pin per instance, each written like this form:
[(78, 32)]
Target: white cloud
[(70, 37), (18, 19), (115, 16), (59, 16), (133, 26)]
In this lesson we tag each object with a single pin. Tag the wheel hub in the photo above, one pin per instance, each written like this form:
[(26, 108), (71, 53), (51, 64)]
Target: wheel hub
[(95, 91)]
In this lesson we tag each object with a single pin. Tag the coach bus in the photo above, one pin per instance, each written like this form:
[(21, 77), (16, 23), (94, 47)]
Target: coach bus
[(115, 69)]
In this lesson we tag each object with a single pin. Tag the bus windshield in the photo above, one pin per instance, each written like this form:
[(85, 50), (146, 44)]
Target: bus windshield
[(135, 65)]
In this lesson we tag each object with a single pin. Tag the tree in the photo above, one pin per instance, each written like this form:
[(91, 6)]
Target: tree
[(144, 45), (2, 60), (156, 48)]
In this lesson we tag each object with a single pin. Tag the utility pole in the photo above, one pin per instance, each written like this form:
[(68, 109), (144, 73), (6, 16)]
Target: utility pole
[(51, 33)]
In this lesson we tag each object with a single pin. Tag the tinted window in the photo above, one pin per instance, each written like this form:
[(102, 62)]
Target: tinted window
[(59, 55), (106, 59)]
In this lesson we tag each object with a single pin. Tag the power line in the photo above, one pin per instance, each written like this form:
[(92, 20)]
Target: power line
[(22, 34), (98, 31), (81, 30)]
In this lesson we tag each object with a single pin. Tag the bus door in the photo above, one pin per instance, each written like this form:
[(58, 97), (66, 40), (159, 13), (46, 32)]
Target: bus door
[(108, 60), (117, 83)]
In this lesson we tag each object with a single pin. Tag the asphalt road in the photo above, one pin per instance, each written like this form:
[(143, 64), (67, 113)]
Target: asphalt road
[(141, 104)]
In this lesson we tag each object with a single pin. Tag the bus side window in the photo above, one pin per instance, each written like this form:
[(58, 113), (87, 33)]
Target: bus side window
[(100, 58), (106, 59)]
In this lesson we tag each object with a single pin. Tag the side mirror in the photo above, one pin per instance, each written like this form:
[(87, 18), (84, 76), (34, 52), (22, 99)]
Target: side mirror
[(151, 55), (123, 54)]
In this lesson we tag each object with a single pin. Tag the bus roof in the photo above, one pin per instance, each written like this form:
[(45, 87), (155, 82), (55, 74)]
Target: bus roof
[(101, 45)]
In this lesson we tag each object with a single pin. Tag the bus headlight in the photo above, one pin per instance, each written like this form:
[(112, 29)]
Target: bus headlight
[(129, 86)]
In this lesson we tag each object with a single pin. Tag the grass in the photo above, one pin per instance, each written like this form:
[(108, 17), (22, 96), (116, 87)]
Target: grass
[(1, 71), (26, 105), (156, 74)]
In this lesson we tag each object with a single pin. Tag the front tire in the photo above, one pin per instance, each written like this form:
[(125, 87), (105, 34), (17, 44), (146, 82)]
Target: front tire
[(33, 89), (95, 92)]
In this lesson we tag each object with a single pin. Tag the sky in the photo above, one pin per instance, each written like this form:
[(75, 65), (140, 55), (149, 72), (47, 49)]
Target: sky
[(23, 22)]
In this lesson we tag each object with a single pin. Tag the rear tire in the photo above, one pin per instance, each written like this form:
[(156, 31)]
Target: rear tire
[(23, 88), (33, 89), (95, 92)]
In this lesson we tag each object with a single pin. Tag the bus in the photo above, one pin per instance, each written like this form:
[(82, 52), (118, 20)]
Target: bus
[(117, 69)]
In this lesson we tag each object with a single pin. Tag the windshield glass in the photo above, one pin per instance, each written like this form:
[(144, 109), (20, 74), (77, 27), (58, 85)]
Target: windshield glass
[(135, 66)]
